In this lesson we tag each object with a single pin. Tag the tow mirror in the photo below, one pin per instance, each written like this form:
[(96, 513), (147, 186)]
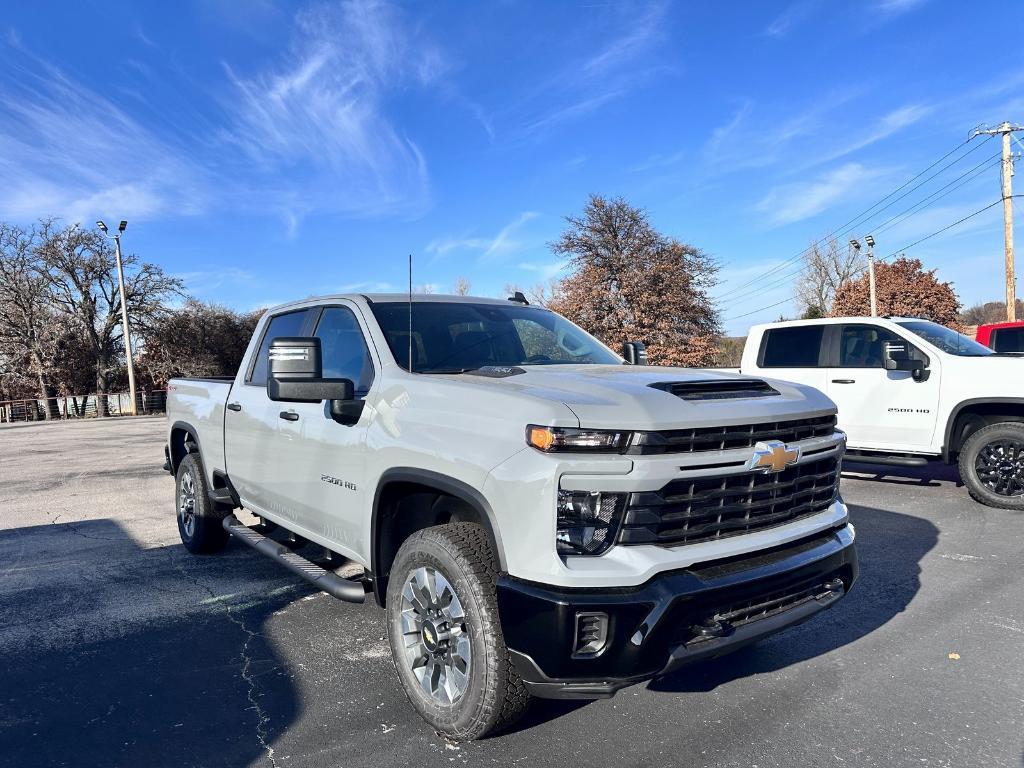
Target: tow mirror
[(897, 356), (635, 353), (296, 376)]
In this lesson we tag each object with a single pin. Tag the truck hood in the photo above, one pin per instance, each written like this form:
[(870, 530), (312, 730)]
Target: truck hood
[(639, 397)]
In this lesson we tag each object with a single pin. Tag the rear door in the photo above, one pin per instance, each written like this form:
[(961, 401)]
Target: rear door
[(880, 409), (251, 425), (794, 353)]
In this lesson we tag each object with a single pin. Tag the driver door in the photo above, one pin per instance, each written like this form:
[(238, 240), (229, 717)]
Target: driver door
[(880, 409)]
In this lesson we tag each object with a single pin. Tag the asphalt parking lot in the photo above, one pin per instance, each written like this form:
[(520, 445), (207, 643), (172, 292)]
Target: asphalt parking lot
[(119, 648)]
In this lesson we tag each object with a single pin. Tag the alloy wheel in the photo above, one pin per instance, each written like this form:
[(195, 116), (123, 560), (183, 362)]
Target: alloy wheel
[(1000, 467), (187, 504), (435, 634)]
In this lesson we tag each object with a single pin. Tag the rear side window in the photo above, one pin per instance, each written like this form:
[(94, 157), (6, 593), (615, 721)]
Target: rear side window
[(290, 324), (1008, 340), (797, 347)]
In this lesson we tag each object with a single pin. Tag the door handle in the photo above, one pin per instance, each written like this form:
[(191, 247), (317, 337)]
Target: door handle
[(289, 415), (844, 381), (234, 406)]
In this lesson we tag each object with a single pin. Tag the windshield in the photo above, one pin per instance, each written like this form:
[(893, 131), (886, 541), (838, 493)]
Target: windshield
[(946, 339), (452, 337)]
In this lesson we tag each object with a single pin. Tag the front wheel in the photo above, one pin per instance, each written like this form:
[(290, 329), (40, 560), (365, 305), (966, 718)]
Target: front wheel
[(992, 465), (445, 634)]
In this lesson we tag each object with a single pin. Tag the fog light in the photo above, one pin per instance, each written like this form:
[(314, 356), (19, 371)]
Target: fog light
[(591, 634)]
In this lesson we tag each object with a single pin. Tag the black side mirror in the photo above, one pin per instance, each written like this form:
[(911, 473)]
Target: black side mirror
[(296, 376), (896, 356), (635, 353)]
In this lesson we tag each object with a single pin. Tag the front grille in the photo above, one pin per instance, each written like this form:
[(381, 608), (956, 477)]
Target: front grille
[(688, 511), (735, 436)]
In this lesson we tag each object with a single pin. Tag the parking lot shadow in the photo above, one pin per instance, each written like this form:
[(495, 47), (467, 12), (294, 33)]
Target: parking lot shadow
[(931, 475), (197, 686), (891, 546)]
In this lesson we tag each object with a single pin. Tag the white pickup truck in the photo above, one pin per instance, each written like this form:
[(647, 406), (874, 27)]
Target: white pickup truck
[(536, 516), (909, 391)]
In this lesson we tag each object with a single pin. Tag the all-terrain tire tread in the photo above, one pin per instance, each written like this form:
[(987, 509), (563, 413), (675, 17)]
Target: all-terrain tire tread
[(965, 465)]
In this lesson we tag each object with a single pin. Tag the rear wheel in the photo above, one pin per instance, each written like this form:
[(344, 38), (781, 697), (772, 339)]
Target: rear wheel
[(445, 634), (992, 465), (199, 521)]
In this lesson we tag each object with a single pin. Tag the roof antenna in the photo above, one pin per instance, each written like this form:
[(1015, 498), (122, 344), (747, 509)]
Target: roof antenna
[(410, 313)]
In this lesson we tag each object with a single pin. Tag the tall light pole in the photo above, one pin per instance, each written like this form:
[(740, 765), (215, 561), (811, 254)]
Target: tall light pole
[(125, 327), (871, 273)]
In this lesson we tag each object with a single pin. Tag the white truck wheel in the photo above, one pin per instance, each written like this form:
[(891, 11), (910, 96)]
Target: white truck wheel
[(992, 465), (445, 634), (199, 523)]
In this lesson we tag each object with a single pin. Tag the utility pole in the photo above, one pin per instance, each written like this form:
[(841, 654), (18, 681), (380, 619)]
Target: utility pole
[(871, 274), (1005, 129), (125, 327)]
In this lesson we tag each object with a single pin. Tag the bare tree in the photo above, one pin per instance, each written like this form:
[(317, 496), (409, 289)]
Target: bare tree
[(461, 286), (196, 340), (629, 282), (827, 266), (81, 273), (26, 323)]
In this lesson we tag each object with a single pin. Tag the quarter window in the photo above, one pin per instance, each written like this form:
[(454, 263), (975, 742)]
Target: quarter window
[(289, 324), (795, 347)]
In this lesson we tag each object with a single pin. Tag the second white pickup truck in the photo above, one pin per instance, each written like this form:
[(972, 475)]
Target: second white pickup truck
[(909, 391), (537, 517)]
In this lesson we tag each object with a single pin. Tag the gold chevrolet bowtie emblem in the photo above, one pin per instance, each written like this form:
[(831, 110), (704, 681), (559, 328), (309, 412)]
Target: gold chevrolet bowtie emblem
[(773, 456)]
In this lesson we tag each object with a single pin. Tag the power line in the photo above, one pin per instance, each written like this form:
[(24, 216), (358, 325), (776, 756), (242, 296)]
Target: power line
[(860, 218), (900, 217), (885, 258)]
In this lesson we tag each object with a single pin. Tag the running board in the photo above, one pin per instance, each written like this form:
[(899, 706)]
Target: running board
[(331, 583), (892, 461)]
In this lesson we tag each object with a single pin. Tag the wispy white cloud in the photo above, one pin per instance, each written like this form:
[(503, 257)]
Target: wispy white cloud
[(320, 114), (789, 18), (789, 203), (501, 244), (887, 125), (545, 271), (895, 7), (66, 150)]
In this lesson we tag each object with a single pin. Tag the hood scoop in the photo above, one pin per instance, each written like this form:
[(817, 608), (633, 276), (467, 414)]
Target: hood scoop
[(717, 389)]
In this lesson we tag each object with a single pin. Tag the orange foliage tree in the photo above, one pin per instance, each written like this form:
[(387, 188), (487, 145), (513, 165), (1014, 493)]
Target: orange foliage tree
[(903, 287), (631, 283)]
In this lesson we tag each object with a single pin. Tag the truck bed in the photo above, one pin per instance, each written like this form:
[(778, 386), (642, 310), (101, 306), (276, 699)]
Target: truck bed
[(199, 401)]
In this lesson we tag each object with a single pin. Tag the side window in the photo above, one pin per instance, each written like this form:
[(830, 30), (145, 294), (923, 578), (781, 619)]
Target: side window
[(860, 346), (289, 324), (1008, 340), (345, 355), (796, 347)]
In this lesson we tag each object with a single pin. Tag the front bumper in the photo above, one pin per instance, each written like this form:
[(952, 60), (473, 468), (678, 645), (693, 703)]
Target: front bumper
[(673, 619)]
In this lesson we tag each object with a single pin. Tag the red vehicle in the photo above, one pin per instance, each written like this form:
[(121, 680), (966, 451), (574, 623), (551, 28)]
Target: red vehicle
[(1007, 338)]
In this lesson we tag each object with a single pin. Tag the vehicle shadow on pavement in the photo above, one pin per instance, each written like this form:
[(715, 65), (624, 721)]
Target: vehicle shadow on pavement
[(930, 476), (891, 546), (82, 686)]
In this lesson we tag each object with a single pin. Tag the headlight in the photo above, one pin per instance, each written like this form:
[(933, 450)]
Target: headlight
[(587, 521), (552, 439)]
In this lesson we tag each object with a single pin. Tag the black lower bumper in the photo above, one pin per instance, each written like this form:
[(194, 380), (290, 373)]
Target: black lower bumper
[(672, 620)]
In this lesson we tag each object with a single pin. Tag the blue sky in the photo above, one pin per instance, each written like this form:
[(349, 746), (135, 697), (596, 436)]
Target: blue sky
[(268, 151)]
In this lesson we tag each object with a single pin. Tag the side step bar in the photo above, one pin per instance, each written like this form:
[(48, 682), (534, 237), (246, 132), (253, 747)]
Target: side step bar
[(331, 583), (893, 461)]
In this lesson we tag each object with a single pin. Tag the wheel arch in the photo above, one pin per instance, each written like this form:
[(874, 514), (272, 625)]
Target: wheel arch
[(970, 415), (400, 483), (181, 433)]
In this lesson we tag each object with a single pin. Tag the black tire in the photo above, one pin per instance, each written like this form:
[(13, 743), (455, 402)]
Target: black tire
[(992, 465), (202, 531), (494, 696)]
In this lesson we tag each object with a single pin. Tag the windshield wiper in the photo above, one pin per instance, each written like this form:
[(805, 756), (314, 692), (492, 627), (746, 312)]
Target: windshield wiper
[(449, 370)]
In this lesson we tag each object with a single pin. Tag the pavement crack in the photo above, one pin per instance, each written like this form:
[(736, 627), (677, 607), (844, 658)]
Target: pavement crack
[(262, 718)]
